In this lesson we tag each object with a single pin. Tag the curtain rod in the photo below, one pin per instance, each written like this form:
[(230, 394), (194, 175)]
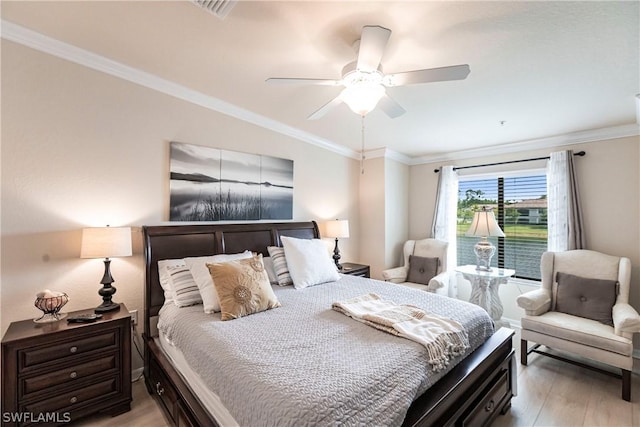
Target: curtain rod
[(579, 153)]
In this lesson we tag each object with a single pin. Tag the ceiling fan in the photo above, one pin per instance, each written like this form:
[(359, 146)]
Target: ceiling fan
[(365, 82)]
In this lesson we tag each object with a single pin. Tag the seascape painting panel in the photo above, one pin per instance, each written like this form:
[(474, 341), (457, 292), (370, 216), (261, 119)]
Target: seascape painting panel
[(194, 184), (276, 198), (240, 185), (209, 184)]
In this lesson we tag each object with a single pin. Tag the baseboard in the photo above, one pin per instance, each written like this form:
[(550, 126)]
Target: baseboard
[(513, 324), (136, 374)]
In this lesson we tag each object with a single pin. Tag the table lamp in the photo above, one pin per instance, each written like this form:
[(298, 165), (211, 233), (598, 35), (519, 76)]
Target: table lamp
[(484, 225), (106, 242), (337, 229)]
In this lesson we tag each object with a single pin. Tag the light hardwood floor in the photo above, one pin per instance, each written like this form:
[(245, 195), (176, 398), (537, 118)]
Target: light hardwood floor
[(550, 393)]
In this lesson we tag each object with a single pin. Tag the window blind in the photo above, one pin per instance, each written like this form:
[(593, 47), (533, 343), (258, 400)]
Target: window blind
[(520, 207)]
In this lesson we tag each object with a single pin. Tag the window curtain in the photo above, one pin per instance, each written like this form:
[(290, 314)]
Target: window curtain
[(564, 213), (445, 217)]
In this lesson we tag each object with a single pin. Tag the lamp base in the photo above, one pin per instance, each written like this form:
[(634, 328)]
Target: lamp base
[(107, 307), (336, 256), (484, 251), (107, 291)]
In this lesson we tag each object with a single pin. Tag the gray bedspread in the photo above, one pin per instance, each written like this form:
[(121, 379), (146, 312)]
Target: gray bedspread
[(306, 364)]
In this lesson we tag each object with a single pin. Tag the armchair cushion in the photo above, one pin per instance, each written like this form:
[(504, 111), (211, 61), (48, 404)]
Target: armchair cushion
[(535, 302), (586, 297), (422, 269), (578, 330)]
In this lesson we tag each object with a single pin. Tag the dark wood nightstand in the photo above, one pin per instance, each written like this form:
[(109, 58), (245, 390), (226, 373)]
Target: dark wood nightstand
[(65, 371), (353, 269)]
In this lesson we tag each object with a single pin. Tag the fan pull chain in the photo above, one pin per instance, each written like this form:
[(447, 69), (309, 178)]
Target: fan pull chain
[(362, 148)]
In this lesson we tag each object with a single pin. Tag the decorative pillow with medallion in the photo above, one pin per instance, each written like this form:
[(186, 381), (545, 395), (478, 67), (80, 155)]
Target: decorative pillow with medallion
[(421, 269), (243, 287)]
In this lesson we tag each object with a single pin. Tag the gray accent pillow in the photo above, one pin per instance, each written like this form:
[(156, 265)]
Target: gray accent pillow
[(421, 269), (584, 297)]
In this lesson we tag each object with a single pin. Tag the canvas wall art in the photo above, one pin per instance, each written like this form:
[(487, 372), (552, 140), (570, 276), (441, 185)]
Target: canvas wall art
[(209, 184)]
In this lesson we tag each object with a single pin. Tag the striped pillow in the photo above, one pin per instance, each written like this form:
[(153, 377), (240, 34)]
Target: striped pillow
[(280, 265), (185, 290)]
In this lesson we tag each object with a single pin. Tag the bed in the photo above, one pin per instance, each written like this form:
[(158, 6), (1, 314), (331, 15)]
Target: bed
[(473, 392)]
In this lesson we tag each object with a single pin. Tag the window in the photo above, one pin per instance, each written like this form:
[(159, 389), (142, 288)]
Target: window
[(520, 207)]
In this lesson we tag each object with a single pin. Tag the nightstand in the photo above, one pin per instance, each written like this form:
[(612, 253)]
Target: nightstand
[(353, 269), (64, 371)]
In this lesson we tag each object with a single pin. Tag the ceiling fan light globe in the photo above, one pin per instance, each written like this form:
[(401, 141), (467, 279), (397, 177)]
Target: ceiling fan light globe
[(363, 98)]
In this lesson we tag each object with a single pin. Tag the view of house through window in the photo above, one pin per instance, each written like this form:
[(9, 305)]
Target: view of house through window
[(520, 207)]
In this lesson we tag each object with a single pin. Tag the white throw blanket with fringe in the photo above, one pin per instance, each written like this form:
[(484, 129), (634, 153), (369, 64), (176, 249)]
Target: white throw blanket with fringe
[(443, 338)]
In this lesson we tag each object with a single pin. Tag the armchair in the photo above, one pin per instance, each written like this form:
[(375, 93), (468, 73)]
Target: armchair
[(547, 321), (428, 248)]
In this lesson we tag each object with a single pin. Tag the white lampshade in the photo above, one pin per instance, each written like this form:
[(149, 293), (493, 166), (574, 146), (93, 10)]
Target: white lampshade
[(484, 224), (106, 242), (337, 229), (362, 98)]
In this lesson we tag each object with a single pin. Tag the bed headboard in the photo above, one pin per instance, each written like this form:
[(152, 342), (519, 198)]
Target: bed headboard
[(180, 241)]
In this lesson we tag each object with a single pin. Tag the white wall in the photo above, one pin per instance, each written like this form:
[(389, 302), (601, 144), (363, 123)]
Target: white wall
[(384, 213), (609, 187), (396, 211), (372, 215), (81, 148)]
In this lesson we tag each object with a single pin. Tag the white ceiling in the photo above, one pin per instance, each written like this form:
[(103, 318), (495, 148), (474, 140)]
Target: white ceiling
[(543, 68)]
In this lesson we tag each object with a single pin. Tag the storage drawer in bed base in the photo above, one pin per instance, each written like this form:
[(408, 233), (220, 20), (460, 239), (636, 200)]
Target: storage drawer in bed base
[(179, 404)]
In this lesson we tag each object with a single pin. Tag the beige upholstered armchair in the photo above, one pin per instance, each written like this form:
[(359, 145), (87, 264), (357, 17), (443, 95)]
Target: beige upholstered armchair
[(583, 308), (425, 248)]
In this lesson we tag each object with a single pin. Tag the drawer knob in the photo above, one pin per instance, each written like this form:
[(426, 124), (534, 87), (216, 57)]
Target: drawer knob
[(73, 374), (73, 399), (73, 349), (159, 388), (490, 406)]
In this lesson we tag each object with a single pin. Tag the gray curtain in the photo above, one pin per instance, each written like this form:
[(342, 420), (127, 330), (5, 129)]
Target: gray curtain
[(575, 232), (565, 222)]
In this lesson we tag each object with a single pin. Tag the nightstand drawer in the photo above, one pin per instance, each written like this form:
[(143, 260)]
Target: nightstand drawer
[(30, 357), (66, 376), (67, 402)]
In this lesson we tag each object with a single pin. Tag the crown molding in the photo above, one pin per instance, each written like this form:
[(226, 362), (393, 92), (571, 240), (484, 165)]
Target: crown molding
[(581, 137), (388, 154), (51, 46)]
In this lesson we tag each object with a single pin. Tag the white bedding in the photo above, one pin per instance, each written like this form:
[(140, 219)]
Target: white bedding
[(305, 364)]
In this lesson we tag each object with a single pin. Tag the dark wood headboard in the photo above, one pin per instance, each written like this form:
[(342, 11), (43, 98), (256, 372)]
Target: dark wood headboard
[(180, 241)]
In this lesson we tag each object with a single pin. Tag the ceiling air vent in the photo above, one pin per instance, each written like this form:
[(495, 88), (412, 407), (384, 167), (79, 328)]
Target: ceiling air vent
[(220, 8)]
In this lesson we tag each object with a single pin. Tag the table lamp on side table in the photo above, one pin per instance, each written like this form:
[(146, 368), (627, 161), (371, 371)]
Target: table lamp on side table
[(337, 229), (106, 242), (484, 225)]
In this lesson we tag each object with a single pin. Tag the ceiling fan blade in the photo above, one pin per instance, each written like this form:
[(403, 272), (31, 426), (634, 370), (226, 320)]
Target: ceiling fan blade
[(454, 72), (320, 112), (286, 80), (391, 107), (372, 44)]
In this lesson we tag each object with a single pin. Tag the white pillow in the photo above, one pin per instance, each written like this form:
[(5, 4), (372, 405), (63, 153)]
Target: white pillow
[(309, 262), (165, 278), (202, 277)]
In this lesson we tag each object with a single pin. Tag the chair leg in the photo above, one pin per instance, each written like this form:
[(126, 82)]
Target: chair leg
[(524, 348), (626, 385)]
